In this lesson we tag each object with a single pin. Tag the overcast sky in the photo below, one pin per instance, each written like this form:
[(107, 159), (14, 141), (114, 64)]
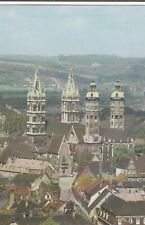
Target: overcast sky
[(53, 30)]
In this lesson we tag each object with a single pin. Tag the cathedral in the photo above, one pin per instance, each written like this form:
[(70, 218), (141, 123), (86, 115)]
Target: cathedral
[(76, 136)]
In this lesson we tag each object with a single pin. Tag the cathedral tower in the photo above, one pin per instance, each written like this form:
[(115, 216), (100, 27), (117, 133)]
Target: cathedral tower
[(92, 115), (70, 99), (36, 103), (117, 118)]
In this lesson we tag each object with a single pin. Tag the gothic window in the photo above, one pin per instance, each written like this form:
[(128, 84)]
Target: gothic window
[(39, 107), (42, 130), (33, 130), (43, 108), (63, 159), (34, 108), (34, 119)]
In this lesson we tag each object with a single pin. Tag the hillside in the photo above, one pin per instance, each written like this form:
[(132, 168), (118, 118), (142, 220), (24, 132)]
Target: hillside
[(17, 71)]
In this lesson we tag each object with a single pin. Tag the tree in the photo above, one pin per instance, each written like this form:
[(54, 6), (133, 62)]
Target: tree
[(50, 221), (139, 149)]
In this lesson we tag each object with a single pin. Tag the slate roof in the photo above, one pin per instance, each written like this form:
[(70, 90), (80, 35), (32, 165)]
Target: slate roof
[(119, 207), (55, 143), (96, 167), (24, 179), (100, 198), (123, 163), (114, 134), (41, 144), (19, 146), (138, 162)]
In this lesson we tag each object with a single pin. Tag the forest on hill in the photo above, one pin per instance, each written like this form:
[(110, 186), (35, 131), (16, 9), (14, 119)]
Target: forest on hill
[(17, 71)]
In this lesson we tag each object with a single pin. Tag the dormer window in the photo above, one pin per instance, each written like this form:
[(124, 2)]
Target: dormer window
[(130, 220), (137, 221)]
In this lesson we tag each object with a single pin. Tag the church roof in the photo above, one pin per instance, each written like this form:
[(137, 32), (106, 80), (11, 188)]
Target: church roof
[(55, 143), (36, 90), (70, 90), (117, 93)]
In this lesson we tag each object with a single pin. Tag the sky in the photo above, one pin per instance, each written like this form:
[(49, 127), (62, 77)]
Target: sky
[(54, 30)]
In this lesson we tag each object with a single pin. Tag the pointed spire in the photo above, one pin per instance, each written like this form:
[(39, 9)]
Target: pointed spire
[(70, 89), (36, 84), (36, 89)]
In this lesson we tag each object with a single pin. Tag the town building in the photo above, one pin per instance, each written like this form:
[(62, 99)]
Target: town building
[(117, 106), (36, 103), (70, 99), (118, 211)]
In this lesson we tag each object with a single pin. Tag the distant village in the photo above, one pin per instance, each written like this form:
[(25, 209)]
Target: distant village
[(85, 172)]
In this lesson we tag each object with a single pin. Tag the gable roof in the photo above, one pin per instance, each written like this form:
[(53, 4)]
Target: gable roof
[(55, 143), (72, 132), (25, 179), (119, 207), (118, 135), (123, 163), (90, 191), (99, 199)]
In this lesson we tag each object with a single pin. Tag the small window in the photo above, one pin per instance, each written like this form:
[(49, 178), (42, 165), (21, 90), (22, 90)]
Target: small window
[(34, 119), (130, 220), (119, 221), (34, 108), (116, 116)]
